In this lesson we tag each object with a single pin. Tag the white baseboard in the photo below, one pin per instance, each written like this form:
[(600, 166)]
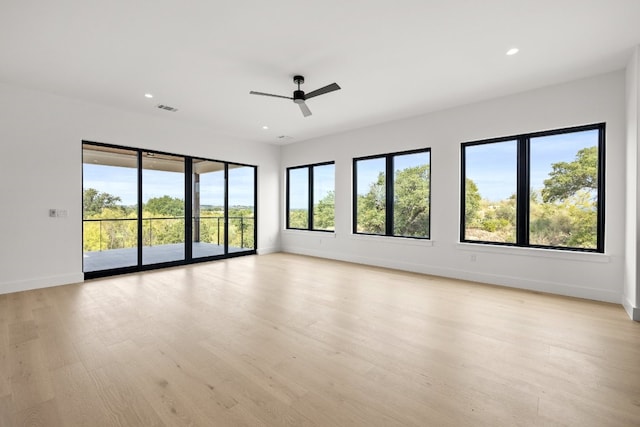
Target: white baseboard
[(40, 282), (633, 312), (265, 251), (493, 279)]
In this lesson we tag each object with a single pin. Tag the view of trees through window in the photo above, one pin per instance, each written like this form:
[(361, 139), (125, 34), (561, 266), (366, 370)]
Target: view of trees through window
[(163, 210), (298, 196), (110, 207), (392, 194), (115, 224), (490, 195), (311, 197), (562, 172)]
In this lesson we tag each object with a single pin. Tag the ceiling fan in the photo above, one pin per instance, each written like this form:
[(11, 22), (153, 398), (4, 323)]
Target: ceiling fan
[(299, 97)]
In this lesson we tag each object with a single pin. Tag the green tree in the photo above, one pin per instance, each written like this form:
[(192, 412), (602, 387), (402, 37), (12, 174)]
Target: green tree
[(567, 178), (324, 212), (165, 206), (371, 208), (94, 201), (583, 214), (241, 227), (298, 218), (471, 201), (411, 202), (115, 229), (568, 214)]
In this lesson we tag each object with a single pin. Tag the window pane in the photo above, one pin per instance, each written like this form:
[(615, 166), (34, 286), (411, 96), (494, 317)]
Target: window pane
[(241, 208), (163, 208), (298, 198), (109, 210), (564, 183), (490, 192), (324, 197), (208, 208), (371, 196), (411, 195)]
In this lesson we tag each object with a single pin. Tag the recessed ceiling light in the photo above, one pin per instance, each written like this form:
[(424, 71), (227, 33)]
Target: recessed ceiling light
[(265, 127), (148, 95), (513, 51)]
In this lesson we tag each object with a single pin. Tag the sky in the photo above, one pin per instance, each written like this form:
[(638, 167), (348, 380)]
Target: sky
[(122, 182), (324, 182), (493, 166), (324, 177), (368, 170)]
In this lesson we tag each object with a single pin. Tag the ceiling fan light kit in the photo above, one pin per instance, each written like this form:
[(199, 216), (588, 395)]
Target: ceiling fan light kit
[(299, 97)]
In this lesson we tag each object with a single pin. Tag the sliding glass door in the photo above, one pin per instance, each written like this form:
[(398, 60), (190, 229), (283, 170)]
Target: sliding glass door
[(242, 210), (163, 225), (109, 208), (145, 209), (209, 195)]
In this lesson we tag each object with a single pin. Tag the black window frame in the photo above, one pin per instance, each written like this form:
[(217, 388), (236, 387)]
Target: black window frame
[(523, 142), (310, 192), (389, 193)]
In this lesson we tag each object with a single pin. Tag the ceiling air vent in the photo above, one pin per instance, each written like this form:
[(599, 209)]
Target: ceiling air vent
[(167, 107)]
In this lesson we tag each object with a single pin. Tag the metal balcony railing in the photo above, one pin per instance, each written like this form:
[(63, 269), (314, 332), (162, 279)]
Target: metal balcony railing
[(117, 233)]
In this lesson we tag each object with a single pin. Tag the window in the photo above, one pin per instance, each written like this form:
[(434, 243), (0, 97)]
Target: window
[(392, 194), (543, 189), (311, 197)]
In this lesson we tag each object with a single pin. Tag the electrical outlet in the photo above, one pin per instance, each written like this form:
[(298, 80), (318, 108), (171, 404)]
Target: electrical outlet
[(472, 258), (62, 213)]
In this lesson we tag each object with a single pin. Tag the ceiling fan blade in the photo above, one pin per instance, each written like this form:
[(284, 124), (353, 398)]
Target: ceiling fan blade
[(305, 110), (323, 90), (269, 94)]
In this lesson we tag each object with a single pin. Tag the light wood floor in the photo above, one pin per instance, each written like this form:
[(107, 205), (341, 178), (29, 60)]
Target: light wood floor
[(289, 340)]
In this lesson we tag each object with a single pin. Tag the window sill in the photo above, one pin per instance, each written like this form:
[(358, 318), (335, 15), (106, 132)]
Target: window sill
[(315, 233), (403, 241), (534, 252)]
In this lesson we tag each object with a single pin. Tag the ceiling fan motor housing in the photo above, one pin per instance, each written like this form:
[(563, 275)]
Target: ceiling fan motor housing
[(298, 96)]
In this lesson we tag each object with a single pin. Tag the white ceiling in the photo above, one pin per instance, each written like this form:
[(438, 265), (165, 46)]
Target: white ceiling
[(393, 59)]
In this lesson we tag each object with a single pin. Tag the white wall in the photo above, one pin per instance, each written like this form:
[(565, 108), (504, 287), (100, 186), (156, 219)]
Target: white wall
[(587, 275), (632, 225), (41, 168)]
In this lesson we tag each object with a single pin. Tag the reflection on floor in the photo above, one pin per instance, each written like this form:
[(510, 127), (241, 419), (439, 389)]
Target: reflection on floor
[(118, 258)]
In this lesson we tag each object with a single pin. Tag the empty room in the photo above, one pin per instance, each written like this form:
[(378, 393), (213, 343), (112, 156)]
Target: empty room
[(362, 213)]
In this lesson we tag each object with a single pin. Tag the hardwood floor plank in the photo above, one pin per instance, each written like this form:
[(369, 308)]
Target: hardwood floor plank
[(29, 376), (93, 352), (78, 399), (22, 331), (18, 309), (6, 411), (44, 414), (54, 338), (168, 401), (5, 388), (122, 399)]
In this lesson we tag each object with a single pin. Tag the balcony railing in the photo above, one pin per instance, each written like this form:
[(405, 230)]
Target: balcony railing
[(119, 233)]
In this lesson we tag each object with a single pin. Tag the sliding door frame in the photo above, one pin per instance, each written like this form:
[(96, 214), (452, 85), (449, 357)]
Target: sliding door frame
[(188, 212)]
